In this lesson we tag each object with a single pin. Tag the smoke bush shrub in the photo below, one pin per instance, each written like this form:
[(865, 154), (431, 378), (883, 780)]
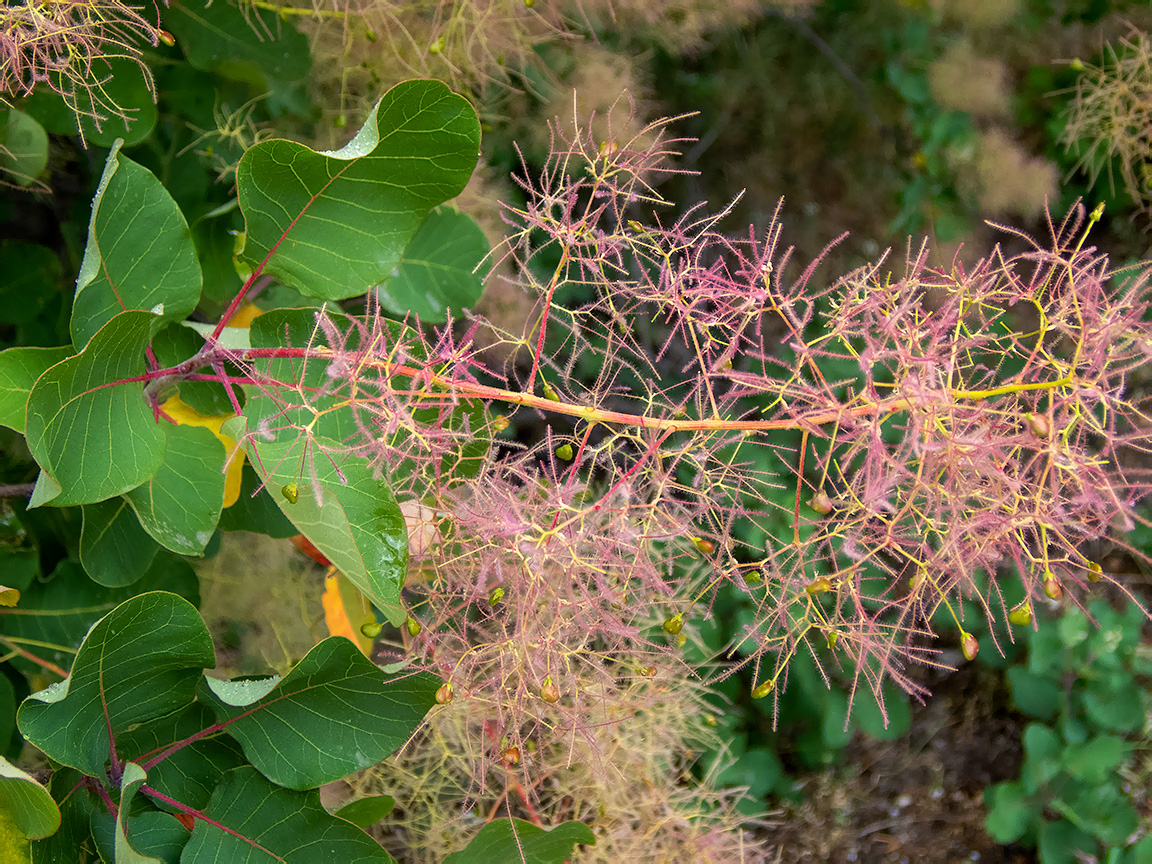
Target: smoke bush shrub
[(951, 422)]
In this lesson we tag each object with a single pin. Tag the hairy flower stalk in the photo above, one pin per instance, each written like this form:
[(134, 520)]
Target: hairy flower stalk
[(67, 46), (855, 457)]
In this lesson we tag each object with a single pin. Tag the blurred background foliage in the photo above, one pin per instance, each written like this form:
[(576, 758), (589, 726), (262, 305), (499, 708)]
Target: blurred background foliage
[(893, 120)]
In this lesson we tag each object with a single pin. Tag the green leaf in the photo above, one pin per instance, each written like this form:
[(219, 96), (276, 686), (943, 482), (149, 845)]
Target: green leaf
[(1041, 757), (436, 271), (1114, 701), (333, 714), (124, 103), (1033, 694), (1104, 811), (29, 276), (60, 610), (78, 806), (245, 46), (1095, 761), (130, 783), (120, 679), (511, 841), (759, 769), (19, 369), (887, 724), (94, 441), (23, 147), (180, 504), (139, 253), (191, 773), (255, 510), (366, 812), (158, 834), (357, 524), (30, 804), (1009, 812), (1058, 842), (284, 822), (332, 225), (114, 549)]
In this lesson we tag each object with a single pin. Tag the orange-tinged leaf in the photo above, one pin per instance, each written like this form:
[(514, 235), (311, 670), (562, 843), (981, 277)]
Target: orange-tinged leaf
[(303, 544), (234, 456), (336, 613), (244, 316)]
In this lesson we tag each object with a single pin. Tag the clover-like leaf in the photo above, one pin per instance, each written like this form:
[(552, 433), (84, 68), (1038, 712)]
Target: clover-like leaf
[(263, 820), (120, 679), (335, 712), (506, 841), (334, 224), (95, 438), (30, 804), (139, 253)]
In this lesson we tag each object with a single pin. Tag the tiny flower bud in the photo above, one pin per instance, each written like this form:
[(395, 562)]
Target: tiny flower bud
[(1039, 425), (1020, 615), (166, 37), (969, 646), (291, 493), (1077, 64), (821, 503), (549, 393), (372, 629), (1094, 571), (705, 546), (500, 422), (753, 576), (444, 694), (763, 690), (340, 120), (496, 596), (549, 692), (511, 756), (1053, 588), (820, 586), (709, 720), (414, 627), (437, 46), (832, 639), (674, 624), (648, 671), (564, 451)]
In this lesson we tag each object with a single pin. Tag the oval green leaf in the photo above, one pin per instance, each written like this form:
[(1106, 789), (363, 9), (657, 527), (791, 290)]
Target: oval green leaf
[(333, 714), (141, 661), (94, 441), (334, 224), (139, 253)]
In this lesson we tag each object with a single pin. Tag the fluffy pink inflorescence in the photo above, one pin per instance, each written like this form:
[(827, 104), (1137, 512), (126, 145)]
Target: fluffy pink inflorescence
[(955, 430)]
